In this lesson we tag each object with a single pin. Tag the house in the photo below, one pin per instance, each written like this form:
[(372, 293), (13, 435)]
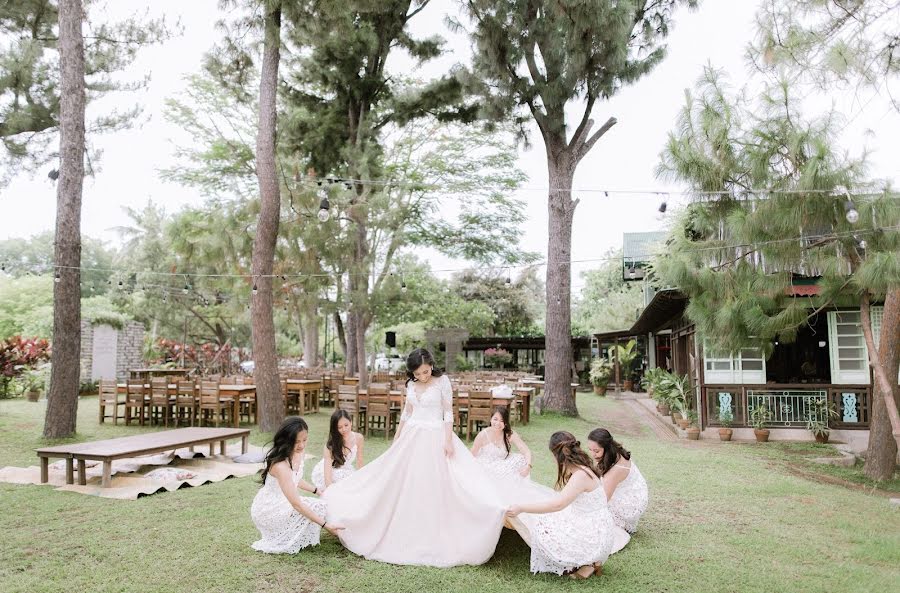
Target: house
[(828, 359)]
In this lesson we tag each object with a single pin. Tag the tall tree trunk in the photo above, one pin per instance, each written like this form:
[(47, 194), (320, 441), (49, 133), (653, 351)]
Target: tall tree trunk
[(62, 399), (361, 327), (558, 328), (311, 339), (884, 424), (350, 345), (342, 336), (268, 387)]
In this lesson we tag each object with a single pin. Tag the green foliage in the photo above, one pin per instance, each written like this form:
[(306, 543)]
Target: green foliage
[(542, 55), (30, 79), (515, 305), (735, 256), (34, 256), (601, 371), (607, 302), (20, 298), (627, 354), (850, 43), (820, 412), (760, 414)]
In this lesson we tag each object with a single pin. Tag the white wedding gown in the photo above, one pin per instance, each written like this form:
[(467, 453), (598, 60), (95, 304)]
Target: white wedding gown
[(413, 504)]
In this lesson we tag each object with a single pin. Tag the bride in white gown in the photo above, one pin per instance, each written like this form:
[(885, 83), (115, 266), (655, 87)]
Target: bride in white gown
[(425, 501)]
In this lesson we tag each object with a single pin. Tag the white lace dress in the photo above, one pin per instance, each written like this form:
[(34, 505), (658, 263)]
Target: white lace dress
[(498, 463), (579, 535), (337, 473), (629, 500), (283, 529)]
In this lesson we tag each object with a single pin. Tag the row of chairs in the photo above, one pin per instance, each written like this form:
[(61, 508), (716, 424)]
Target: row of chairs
[(154, 405)]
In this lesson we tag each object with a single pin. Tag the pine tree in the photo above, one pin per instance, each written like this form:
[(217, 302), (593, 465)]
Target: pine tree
[(541, 55), (736, 256), (62, 398)]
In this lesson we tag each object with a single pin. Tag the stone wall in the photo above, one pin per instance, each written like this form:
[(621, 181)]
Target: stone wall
[(127, 342)]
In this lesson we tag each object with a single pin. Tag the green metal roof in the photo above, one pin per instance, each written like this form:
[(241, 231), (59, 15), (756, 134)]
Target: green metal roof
[(639, 247)]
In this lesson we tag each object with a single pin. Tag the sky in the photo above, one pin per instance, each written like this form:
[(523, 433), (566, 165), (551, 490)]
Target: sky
[(624, 159)]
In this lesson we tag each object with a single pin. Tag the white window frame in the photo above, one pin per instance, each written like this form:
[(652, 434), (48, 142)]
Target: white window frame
[(736, 374), (847, 376)]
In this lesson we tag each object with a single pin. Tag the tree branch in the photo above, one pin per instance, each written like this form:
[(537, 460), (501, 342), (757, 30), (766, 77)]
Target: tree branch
[(586, 147)]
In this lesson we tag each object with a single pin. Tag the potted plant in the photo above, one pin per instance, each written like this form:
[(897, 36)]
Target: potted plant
[(627, 355), (759, 415), (678, 391), (693, 431), (653, 384), (600, 373), (726, 419), (817, 417), (34, 381), (497, 357)]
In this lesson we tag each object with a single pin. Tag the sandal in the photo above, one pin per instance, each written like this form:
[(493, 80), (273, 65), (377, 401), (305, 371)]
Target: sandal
[(577, 575), (598, 570)]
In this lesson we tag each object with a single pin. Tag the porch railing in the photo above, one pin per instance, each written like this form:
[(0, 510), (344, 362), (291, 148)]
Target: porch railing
[(789, 404)]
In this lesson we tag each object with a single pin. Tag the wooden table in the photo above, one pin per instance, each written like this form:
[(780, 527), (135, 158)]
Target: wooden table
[(134, 446), (303, 387)]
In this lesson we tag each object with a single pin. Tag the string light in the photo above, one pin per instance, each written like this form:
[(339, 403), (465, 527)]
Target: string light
[(850, 211), (57, 278), (324, 207)]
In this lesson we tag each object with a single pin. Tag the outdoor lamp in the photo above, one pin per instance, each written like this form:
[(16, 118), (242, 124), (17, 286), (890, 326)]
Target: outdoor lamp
[(850, 211), (324, 207)]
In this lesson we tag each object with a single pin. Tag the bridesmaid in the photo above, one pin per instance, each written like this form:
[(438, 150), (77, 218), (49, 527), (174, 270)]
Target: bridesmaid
[(572, 532), (287, 522), (343, 452), (492, 448), (625, 487)]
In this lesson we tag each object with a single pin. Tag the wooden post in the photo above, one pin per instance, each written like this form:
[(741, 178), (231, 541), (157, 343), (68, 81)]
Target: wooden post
[(44, 467), (82, 478)]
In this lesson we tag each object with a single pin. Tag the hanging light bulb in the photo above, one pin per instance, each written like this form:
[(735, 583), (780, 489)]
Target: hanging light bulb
[(57, 278), (121, 285), (186, 289), (324, 208), (662, 207), (850, 211), (508, 282), (255, 289), (402, 286), (632, 273)]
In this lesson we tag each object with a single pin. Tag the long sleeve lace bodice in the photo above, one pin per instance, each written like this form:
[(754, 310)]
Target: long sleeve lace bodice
[(432, 406)]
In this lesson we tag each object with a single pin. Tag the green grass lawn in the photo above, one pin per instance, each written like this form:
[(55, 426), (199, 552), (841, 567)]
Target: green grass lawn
[(723, 517)]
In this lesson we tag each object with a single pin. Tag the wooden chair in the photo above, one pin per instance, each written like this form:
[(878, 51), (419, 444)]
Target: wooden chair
[(109, 396), (134, 402), (346, 394), (160, 405), (247, 407), (212, 404), (292, 401), (481, 405), (379, 415), (348, 400), (185, 402)]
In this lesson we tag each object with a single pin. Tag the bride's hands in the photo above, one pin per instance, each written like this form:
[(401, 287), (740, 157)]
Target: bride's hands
[(525, 471), (448, 449), (513, 511)]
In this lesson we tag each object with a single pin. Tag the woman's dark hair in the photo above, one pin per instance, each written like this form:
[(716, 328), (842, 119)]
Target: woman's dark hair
[(507, 429), (283, 443), (611, 449), (335, 442), (417, 358), (569, 457)]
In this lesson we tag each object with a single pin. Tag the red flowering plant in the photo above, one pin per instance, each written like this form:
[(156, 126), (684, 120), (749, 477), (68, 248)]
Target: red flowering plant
[(497, 357), (18, 355), (208, 357)]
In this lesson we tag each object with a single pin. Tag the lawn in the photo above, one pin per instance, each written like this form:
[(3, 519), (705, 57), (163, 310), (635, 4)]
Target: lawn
[(722, 517)]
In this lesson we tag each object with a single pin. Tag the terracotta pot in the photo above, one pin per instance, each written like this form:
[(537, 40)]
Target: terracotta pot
[(762, 435), (628, 385), (683, 423), (33, 396), (600, 389), (725, 434), (664, 409), (822, 438), (693, 433)]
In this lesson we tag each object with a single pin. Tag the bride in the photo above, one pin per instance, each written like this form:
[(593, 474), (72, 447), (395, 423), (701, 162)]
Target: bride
[(425, 501)]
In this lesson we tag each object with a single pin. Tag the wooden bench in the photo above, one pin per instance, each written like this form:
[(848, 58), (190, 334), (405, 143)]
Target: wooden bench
[(134, 446)]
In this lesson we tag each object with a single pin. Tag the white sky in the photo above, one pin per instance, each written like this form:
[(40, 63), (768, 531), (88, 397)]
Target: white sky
[(624, 159)]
